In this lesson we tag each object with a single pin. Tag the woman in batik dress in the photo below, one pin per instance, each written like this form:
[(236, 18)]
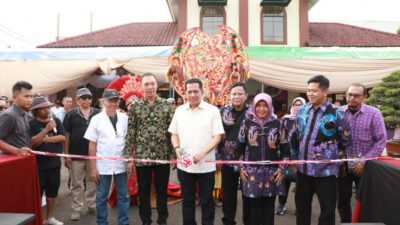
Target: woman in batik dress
[(259, 138), (290, 138)]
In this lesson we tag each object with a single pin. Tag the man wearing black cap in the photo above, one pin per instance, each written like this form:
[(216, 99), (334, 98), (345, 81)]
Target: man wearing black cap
[(106, 135), (75, 123), (47, 136)]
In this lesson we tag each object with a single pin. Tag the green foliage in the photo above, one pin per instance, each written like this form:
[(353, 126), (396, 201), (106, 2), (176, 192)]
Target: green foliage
[(386, 96)]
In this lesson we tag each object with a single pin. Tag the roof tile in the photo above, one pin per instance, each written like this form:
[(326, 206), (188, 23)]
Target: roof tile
[(165, 34), (344, 35), (128, 35)]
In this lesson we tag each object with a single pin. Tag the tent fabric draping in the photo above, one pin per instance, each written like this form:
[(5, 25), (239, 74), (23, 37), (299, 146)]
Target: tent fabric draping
[(268, 52), (286, 68), (156, 65), (50, 76), (292, 74), (83, 53)]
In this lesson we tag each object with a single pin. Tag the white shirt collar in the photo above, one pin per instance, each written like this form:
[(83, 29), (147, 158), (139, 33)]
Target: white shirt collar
[(202, 105)]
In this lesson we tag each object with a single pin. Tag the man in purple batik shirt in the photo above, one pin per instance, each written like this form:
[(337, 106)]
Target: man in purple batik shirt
[(368, 139)]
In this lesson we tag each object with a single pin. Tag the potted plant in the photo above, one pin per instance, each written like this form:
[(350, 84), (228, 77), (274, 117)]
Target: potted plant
[(386, 97)]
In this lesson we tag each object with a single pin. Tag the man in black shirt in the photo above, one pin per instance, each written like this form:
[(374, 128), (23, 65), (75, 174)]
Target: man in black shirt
[(15, 137), (47, 136), (76, 122)]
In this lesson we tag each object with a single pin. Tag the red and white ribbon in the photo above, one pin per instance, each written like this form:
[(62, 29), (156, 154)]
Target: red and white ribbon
[(188, 161)]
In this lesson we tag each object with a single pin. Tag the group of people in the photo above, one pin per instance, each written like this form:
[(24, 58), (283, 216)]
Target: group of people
[(317, 130), (197, 134)]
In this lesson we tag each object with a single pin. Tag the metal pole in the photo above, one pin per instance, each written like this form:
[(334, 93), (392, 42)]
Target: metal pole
[(91, 22), (58, 27)]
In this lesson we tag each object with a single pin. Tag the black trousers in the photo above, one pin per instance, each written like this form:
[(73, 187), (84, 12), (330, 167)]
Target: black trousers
[(230, 182), (283, 198), (205, 183), (161, 178), (345, 191), (259, 211), (325, 188), (49, 180)]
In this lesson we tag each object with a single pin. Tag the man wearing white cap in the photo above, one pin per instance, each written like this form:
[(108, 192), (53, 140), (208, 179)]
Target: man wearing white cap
[(106, 134)]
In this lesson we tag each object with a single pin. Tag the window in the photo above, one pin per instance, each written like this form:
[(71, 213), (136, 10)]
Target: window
[(273, 25), (211, 17)]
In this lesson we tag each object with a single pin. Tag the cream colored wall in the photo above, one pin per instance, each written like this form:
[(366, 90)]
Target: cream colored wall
[(232, 14), (193, 14), (254, 22), (231, 9), (293, 23), (232, 20)]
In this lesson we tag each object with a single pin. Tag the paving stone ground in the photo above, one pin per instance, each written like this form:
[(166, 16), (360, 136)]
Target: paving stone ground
[(175, 216)]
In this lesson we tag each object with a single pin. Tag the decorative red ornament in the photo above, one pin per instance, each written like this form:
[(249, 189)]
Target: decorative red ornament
[(128, 87)]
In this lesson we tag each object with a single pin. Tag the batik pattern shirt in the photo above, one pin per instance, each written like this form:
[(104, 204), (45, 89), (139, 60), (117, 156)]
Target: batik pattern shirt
[(231, 119), (322, 132), (290, 143), (148, 136), (290, 136), (258, 143)]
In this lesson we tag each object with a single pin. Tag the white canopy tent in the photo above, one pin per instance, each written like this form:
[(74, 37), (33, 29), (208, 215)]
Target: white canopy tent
[(52, 70), (293, 74)]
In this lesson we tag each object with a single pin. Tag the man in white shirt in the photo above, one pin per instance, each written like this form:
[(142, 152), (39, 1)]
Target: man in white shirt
[(106, 134), (196, 130)]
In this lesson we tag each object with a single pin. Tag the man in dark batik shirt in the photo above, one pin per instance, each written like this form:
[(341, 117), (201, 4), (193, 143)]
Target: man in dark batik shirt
[(148, 138), (232, 117)]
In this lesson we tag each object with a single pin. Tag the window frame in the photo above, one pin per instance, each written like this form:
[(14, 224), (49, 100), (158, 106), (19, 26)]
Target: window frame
[(284, 42), (202, 12)]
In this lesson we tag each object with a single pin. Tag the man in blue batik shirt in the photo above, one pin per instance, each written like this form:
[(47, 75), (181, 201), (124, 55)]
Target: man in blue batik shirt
[(323, 135)]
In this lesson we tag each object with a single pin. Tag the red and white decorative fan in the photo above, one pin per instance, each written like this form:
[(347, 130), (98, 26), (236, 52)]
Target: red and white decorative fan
[(128, 87)]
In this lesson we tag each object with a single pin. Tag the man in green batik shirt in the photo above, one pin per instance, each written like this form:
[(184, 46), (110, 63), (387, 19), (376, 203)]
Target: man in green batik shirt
[(148, 138)]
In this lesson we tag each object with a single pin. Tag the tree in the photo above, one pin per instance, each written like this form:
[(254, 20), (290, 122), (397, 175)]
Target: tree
[(386, 97)]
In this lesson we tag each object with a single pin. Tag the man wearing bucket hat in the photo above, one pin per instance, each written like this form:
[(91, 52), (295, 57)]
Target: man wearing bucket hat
[(47, 136), (106, 135)]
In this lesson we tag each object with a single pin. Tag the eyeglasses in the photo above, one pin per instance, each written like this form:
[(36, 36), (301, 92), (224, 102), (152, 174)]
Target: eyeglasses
[(298, 105), (86, 97)]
